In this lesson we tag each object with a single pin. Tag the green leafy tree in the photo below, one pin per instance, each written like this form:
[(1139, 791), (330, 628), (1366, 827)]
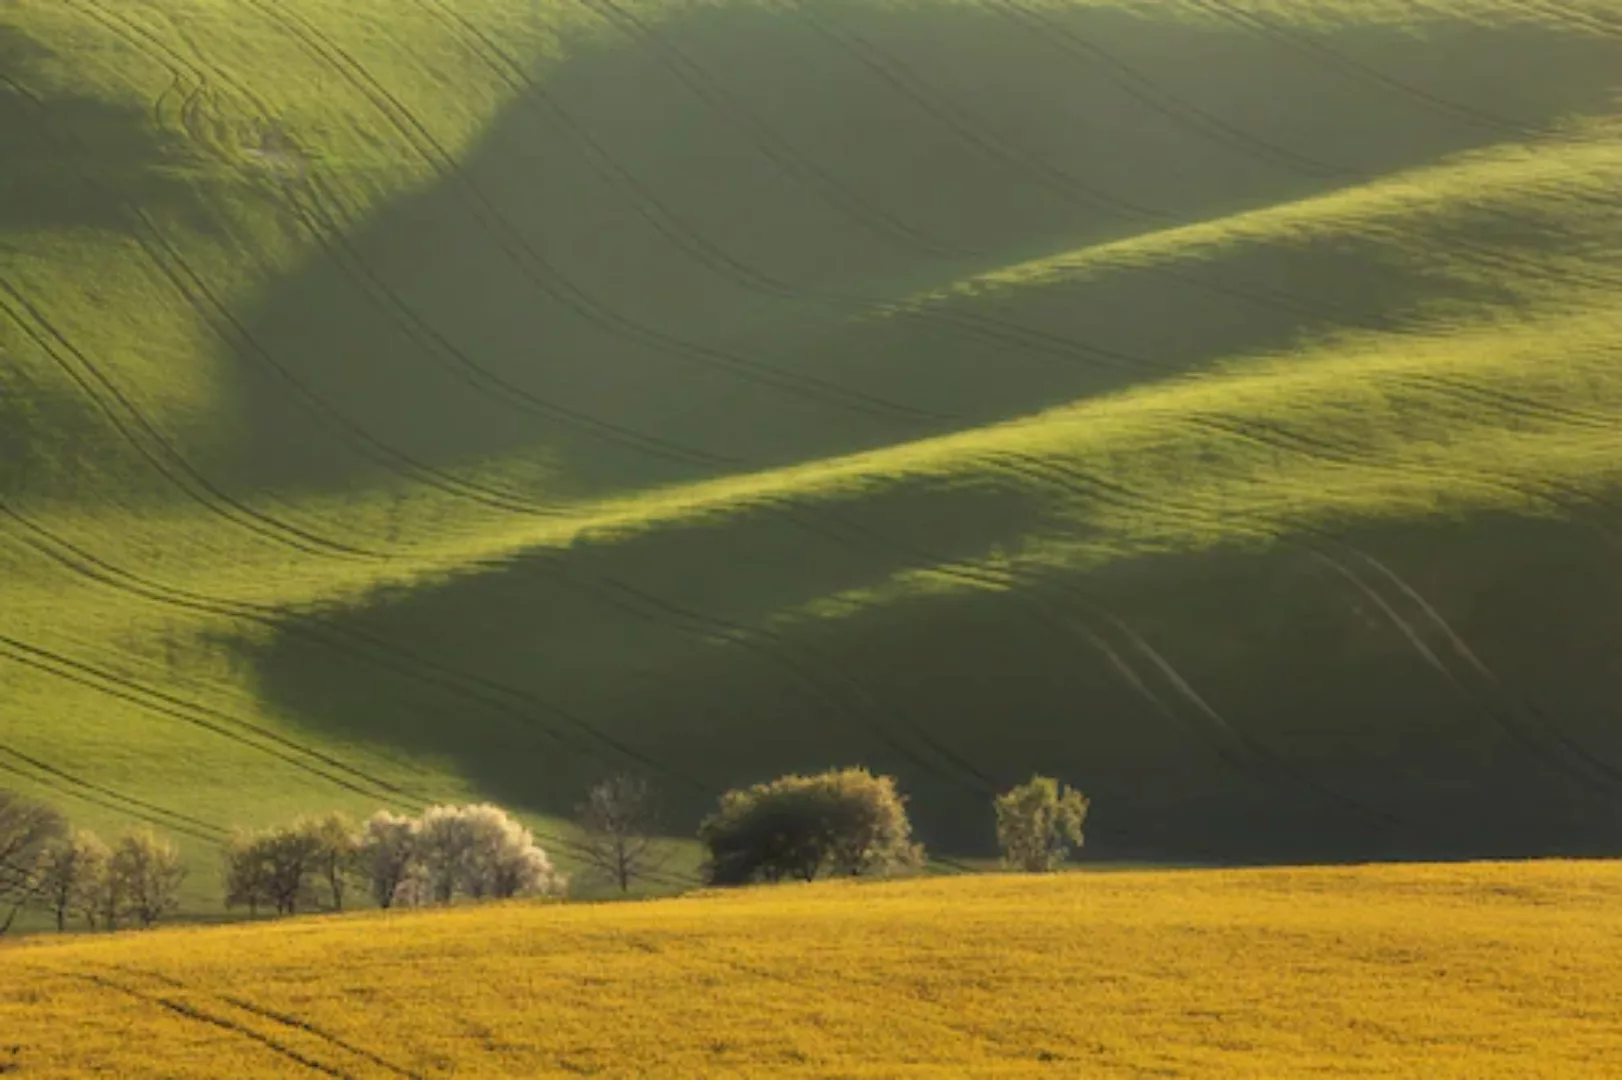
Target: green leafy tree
[(846, 821), (291, 866), (1039, 824)]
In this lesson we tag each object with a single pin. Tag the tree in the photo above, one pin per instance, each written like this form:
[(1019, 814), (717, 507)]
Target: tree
[(847, 821), (869, 831), (103, 899), (148, 873), (271, 867), (336, 845), (285, 866), (1039, 824), (387, 857), (27, 829), (72, 877), (481, 852), (248, 871), (617, 824), (443, 849)]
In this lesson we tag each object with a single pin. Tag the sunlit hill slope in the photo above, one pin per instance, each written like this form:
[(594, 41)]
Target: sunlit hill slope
[(1214, 402)]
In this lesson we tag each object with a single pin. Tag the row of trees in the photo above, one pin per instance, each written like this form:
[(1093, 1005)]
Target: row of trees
[(447, 853), (48, 866), (845, 822)]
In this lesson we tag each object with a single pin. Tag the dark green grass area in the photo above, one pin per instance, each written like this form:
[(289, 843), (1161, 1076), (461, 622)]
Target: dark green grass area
[(662, 260), (1375, 695), (54, 130)]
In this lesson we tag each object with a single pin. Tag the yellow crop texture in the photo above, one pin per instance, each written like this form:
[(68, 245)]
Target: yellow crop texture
[(1436, 971)]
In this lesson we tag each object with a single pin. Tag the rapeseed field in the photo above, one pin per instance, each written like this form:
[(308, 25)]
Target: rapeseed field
[(1417, 970)]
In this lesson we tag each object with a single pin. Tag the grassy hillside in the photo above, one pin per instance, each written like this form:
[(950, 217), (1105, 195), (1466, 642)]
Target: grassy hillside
[(1213, 401), (1452, 972)]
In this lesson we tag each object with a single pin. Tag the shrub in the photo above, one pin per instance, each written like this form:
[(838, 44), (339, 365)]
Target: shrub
[(846, 821), (1039, 824)]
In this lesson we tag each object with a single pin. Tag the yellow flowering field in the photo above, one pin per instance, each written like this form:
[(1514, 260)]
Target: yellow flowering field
[(1436, 971)]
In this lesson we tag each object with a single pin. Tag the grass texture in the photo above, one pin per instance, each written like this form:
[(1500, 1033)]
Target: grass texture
[(1215, 402)]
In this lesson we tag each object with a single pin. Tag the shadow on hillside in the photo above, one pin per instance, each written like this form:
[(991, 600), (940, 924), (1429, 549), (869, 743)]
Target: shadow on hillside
[(64, 154), (632, 269), (620, 632), (1335, 719), (60, 157)]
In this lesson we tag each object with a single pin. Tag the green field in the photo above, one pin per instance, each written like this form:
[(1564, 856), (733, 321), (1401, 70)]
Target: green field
[(1217, 403)]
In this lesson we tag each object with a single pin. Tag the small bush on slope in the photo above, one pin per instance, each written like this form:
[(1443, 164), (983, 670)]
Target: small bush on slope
[(1039, 824), (847, 821)]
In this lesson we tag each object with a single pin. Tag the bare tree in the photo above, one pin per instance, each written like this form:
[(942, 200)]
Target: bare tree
[(148, 872), (27, 829), (72, 876), (618, 823)]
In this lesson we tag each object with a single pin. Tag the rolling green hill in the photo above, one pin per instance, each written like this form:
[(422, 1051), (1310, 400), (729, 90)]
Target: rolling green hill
[(1216, 402)]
